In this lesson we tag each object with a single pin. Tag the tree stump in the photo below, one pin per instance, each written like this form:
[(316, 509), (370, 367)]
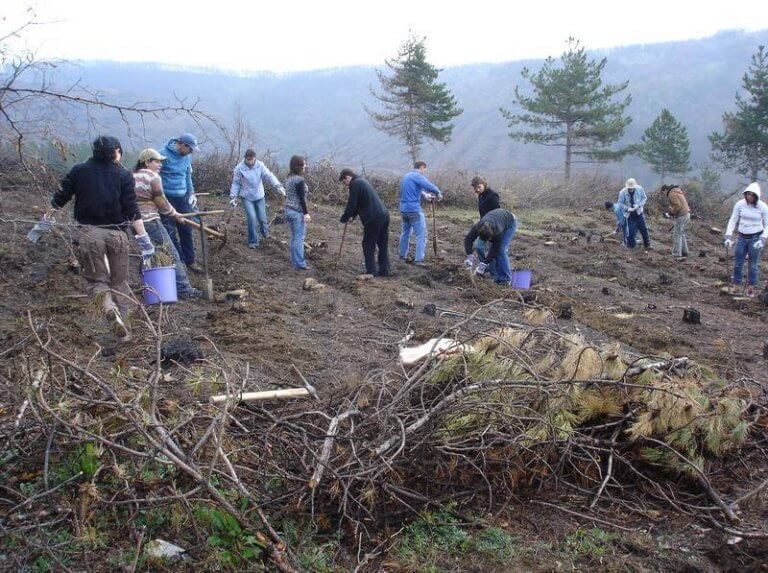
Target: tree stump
[(565, 311), (691, 316)]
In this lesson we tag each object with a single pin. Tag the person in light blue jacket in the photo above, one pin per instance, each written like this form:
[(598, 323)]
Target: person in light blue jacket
[(632, 199), (414, 187), (176, 174), (247, 183)]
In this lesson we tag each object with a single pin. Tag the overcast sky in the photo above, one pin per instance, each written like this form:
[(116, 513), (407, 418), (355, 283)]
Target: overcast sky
[(296, 35)]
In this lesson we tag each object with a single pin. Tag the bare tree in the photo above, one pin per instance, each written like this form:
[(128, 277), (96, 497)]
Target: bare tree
[(33, 104)]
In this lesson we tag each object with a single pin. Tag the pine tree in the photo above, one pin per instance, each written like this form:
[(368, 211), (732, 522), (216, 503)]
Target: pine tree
[(416, 105), (571, 108), (665, 145), (743, 145)]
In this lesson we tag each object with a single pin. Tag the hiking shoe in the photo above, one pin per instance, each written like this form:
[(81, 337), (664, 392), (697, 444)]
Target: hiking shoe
[(253, 246), (190, 294), (118, 325), (421, 264), (195, 268), (750, 292)]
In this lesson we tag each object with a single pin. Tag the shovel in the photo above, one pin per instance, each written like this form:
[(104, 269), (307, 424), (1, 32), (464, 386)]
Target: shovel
[(434, 229), (341, 246)]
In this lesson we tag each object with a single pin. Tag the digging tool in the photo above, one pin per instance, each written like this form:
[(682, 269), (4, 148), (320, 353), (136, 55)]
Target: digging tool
[(434, 229), (198, 213), (341, 246), (727, 265), (208, 230)]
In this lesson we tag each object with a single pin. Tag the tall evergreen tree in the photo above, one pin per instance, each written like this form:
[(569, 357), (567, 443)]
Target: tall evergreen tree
[(570, 107), (743, 145), (416, 106), (665, 145)]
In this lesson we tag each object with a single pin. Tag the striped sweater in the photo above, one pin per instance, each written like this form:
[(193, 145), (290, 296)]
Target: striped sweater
[(150, 197)]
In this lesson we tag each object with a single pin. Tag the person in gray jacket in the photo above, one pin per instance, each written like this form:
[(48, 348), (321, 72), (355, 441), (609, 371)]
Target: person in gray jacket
[(496, 228), (247, 183)]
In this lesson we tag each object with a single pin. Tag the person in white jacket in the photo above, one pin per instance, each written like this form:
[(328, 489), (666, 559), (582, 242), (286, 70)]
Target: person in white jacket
[(750, 220)]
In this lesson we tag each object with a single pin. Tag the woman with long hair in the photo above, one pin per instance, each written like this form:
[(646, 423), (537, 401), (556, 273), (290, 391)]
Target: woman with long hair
[(296, 213)]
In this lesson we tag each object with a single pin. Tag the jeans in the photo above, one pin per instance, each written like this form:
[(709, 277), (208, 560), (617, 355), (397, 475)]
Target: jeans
[(185, 244), (376, 234), (418, 223), (746, 247), (298, 228), (256, 210), (161, 240), (636, 223), (679, 238), (480, 248), (499, 266)]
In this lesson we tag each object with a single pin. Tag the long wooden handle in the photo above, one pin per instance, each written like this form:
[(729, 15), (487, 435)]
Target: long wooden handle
[(263, 395), (198, 213), (341, 246), (434, 229), (208, 230)]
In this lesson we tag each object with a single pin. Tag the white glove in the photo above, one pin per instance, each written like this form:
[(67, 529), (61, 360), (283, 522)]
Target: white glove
[(193, 201), (145, 245), (45, 224), (233, 201), (631, 209), (307, 218), (470, 262), (480, 270), (728, 243), (426, 196), (439, 197), (667, 216), (760, 244)]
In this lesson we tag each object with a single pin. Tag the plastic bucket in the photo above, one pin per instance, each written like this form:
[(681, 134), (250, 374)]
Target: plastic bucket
[(159, 285), (521, 278)]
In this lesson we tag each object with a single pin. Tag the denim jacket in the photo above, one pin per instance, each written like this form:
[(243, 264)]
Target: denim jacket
[(640, 200)]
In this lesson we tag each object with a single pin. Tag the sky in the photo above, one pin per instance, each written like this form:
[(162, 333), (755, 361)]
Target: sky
[(287, 36)]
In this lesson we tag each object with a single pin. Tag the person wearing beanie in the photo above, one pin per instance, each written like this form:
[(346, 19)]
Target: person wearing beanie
[(681, 213), (632, 199), (621, 221), (178, 188), (105, 205), (749, 219)]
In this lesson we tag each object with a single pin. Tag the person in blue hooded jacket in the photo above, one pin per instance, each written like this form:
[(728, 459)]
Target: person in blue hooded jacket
[(621, 221), (247, 184), (180, 192), (414, 187)]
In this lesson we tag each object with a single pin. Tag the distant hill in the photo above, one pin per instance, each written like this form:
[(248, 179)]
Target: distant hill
[(320, 113)]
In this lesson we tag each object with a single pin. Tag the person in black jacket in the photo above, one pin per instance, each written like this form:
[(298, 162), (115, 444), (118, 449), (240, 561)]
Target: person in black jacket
[(497, 228), (364, 202), (487, 200), (105, 205)]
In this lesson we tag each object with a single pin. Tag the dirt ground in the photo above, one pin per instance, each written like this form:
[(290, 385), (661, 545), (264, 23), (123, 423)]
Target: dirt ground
[(339, 334)]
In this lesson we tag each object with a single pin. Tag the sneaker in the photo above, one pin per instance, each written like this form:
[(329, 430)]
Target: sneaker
[(252, 246), (750, 292), (421, 264), (190, 294), (301, 268), (195, 268), (735, 289), (118, 325)]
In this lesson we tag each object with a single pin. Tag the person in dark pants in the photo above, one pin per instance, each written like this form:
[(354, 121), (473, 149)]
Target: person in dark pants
[(632, 199), (497, 228), (363, 201)]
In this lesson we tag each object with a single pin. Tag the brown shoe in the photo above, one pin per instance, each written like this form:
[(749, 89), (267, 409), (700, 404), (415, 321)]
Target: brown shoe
[(195, 268), (118, 325)]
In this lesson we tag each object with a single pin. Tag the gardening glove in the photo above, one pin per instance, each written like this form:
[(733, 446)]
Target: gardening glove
[(307, 218), (760, 244), (426, 196), (145, 245), (728, 242), (667, 216), (480, 270), (233, 202), (439, 197), (42, 227), (470, 262), (193, 200)]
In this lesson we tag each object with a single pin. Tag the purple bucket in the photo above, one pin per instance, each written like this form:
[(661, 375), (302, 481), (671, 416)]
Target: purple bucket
[(159, 285), (521, 278)]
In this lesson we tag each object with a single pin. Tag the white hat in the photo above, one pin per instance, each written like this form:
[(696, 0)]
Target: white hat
[(753, 188), (631, 183), (148, 154)]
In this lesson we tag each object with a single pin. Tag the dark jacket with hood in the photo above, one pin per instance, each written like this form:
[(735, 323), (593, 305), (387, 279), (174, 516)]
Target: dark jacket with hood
[(104, 194), (500, 220), (363, 202), (487, 201)]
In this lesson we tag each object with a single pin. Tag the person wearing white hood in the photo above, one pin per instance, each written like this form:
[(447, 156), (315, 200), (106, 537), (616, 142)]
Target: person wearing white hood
[(750, 219)]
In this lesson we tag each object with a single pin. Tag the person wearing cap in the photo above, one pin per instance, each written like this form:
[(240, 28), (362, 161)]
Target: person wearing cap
[(621, 221), (247, 184), (632, 199), (749, 219), (105, 205), (414, 187), (364, 202), (152, 204), (497, 228), (177, 185), (681, 213)]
